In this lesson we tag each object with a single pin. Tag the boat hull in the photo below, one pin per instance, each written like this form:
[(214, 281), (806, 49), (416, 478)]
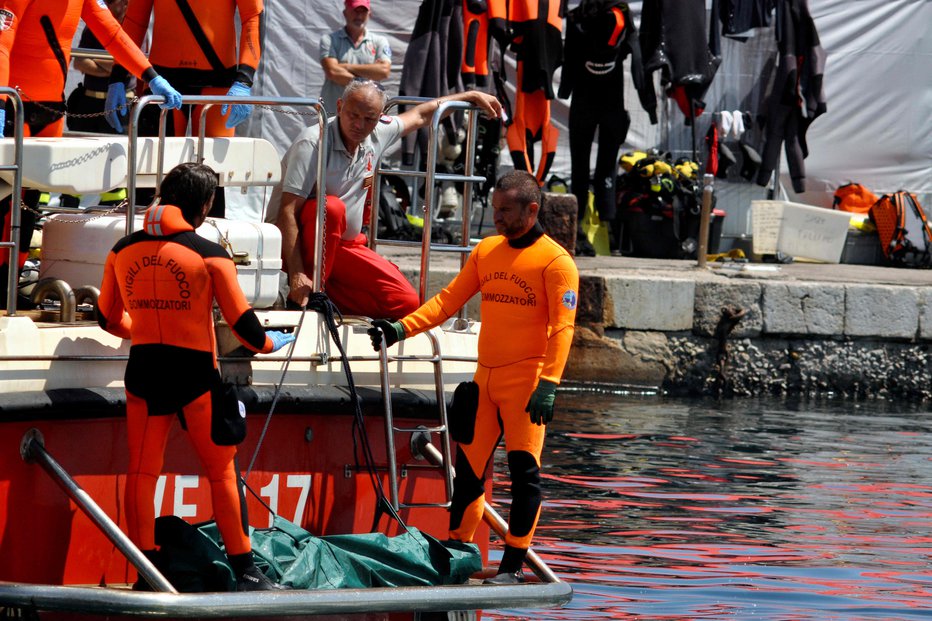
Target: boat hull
[(305, 470)]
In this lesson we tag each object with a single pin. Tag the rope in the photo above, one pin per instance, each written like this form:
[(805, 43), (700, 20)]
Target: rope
[(322, 304), (278, 391)]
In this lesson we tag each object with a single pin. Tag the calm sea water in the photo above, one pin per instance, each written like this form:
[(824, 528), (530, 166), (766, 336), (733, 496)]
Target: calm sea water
[(682, 509)]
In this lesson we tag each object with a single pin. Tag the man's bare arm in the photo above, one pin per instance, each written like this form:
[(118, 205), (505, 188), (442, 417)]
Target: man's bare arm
[(420, 115), (298, 280), (377, 71), (336, 72), (96, 68)]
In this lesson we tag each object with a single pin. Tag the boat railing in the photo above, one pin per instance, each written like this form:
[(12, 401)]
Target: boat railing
[(207, 102), (16, 167), (430, 177)]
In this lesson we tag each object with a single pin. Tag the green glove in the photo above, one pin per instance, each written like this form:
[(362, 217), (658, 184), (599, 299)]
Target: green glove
[(393, 332), (540, 405)]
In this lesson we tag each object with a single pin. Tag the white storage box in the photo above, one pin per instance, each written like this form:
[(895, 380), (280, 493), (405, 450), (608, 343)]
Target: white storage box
[(75, 247), (256, 248), (798, 230)]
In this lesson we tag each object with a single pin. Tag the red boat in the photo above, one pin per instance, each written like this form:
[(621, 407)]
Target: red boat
[(63, 446)]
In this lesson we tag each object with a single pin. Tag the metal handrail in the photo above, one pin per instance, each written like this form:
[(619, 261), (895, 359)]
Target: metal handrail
[(436, 359), (211, 100), (491, 517), (19, 128), (430, 175), (32, 449)]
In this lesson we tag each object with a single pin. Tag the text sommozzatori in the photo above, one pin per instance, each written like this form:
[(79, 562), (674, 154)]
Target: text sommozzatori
[(529, 298), (179, 303)]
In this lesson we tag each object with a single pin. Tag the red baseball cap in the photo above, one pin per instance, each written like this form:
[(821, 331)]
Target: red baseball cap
[(355, 4)]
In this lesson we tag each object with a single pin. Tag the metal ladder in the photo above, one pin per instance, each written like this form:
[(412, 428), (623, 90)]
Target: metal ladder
[(440, 427), (430, 176)]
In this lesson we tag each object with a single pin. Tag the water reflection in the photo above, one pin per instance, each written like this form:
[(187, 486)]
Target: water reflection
[(676, 509)]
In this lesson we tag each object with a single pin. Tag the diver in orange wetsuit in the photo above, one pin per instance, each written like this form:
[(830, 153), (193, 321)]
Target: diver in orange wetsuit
[(194, 45), (528, 285), (35, 50), (158, 290)]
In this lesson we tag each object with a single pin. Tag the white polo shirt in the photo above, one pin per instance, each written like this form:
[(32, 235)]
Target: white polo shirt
[(349, 175)]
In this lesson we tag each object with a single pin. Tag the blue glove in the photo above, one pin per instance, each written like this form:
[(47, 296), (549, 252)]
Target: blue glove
[(392, 331), (540, 405), (2, 120), (280, 339), (115, 105), (240, 112), (160, 86)]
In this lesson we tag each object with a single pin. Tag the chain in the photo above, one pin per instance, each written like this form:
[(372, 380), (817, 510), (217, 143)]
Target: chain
[(121, 205), (224, 240), (74, 115), (278, 110), (122, 109)]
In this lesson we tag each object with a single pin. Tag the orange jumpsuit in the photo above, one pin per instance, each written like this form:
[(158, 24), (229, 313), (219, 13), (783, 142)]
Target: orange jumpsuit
[(529, 294), (183, 60), (158, 290), (35, 52)]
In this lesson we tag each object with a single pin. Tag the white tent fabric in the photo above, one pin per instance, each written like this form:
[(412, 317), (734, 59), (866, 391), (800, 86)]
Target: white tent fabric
[(877, 131)]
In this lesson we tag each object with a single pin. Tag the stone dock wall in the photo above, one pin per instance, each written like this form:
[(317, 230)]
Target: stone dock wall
[(683, 336), (744, 330)]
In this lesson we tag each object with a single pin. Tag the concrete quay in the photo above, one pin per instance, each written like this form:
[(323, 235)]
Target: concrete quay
[(800, 329)]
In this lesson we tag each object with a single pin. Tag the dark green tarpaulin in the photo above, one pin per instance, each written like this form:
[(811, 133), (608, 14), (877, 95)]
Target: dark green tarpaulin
[(291, 555)]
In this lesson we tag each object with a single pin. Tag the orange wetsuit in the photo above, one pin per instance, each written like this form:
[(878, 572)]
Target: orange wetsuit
[(158, 290), (195, 65), (35, 50), (529, 293)]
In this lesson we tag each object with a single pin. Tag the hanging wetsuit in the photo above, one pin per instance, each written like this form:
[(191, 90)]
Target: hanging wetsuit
[(528, 288), (797, 97), (158, 290), (675, 40), (35, 51), (599, 35), (195, 49), (475, 66), (534, 30), (431, 68)]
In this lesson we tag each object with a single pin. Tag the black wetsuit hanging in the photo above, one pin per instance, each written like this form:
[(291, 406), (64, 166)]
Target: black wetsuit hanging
[(599, 35), (675, 40)]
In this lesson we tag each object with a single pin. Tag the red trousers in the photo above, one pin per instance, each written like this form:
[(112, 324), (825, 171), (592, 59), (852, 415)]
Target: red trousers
[(357, 280)]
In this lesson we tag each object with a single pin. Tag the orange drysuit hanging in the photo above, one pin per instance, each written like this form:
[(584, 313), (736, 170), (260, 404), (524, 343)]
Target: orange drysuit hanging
[(533, 29), (475, 65)]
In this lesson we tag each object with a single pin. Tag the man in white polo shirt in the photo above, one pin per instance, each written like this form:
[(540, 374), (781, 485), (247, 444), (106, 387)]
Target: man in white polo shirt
[(357, 280), (352, 52)]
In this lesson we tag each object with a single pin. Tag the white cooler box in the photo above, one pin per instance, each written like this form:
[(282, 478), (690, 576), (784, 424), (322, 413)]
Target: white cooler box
[(75, 247), (797, 230)]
